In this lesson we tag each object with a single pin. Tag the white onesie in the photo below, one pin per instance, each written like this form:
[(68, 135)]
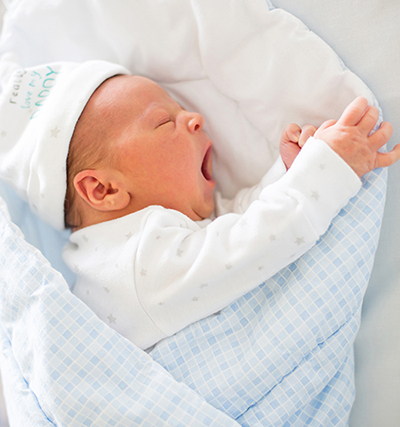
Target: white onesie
[(151, 273)]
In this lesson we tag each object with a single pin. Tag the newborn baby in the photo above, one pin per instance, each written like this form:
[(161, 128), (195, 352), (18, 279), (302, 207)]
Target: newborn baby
[(153, 247)]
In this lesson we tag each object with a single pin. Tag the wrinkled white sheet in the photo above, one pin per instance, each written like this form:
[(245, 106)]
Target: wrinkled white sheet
[(249, 70)]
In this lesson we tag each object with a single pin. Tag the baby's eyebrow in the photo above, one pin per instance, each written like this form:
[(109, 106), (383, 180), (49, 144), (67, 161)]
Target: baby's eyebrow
[(151, 112)]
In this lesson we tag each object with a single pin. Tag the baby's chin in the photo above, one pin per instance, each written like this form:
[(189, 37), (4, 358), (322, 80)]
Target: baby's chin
[(208, 211), (203, 213)]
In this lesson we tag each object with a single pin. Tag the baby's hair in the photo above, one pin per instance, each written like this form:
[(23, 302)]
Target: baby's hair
[(88, 149)]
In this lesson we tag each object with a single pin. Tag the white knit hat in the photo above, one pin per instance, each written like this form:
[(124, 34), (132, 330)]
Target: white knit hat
[(39, 108)]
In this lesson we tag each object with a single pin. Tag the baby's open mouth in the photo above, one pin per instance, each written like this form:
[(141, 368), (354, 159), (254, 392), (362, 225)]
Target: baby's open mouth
[(206, 167)]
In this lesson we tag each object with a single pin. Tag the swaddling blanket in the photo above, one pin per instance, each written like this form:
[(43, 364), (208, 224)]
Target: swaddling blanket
[(281, 355)]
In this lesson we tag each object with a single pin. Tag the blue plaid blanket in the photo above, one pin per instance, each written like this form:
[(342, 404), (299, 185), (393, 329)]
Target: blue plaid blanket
[(279, 356)]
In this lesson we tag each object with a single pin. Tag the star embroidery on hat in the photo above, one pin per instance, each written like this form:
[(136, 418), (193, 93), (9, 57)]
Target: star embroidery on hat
[(299, 241), (179, 252), (203, 285), (228, 266), (322, 166), (129, 235), (85, 238), (272, 237), (3, 134), (54, 132), (143, 273), (106, 289), (195, 299)]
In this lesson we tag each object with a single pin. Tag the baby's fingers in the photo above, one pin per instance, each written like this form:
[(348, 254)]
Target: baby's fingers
[(306, 132), (381, 136), (368, 121), (387, 159), (291, 133), (353, 112), (288, 147), (327, 124)]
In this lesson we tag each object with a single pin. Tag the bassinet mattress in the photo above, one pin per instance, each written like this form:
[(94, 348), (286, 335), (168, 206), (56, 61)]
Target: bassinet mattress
[(280, 355)]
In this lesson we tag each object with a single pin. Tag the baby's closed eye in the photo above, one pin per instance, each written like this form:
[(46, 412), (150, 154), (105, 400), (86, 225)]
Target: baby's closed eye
[(164, 121)]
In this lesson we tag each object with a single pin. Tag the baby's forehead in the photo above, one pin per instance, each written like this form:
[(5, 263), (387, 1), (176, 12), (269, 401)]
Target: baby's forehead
[(127, 92), (123, 103)]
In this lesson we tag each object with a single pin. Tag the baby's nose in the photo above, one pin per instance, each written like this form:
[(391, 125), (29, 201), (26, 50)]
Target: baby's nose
[(196, 122)]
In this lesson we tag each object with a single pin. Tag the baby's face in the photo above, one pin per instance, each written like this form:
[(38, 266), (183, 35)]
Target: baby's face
[(162, 150)]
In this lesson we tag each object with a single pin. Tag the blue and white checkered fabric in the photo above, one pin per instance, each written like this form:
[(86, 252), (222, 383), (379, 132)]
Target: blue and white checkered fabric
[(62, 366), (282, 354), (279, 356)]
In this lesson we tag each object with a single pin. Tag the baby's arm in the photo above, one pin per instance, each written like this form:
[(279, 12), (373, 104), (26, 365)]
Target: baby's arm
[(202, 267), (293, 138), (350, 137), (207, 268)]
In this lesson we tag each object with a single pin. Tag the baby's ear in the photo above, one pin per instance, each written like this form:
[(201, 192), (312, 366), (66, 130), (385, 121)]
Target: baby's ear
[(101, 190)]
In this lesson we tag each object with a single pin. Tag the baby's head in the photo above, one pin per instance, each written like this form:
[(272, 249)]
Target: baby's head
[(39, 109), (134, 146)]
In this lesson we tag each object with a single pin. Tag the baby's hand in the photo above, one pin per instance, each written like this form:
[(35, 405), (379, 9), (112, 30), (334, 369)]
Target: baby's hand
[(293, 138), (350, 138)]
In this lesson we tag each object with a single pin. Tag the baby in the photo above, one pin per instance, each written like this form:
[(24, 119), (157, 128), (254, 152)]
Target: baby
[(153, 247)]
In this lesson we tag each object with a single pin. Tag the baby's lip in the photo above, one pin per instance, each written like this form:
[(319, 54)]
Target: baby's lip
[(206, 167)]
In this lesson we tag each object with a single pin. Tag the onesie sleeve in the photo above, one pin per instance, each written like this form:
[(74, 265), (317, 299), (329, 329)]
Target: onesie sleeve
[(245, 197), (192, 270)]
